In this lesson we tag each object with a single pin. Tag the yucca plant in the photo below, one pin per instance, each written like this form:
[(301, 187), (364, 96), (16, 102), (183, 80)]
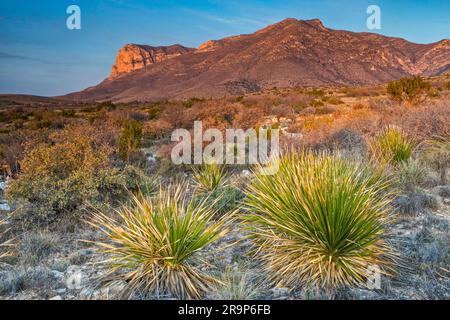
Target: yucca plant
[(156, 241), (320, 220), (436, 154), (391, 146), (209, 177)]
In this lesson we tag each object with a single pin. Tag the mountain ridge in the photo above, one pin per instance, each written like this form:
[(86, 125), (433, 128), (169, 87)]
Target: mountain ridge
[(289, 53)]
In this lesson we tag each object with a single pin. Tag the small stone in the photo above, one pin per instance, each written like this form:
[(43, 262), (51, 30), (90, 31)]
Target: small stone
[(280, 292), (57, 274), (61, 290), (56, 298)]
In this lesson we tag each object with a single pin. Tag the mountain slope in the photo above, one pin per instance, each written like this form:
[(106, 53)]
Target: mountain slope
[(289, 53)]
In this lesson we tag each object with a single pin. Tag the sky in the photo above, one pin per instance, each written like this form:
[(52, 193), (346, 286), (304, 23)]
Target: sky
[(39, 55)]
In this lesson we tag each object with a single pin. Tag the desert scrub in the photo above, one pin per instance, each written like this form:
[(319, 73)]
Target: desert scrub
[(154, 243), (436, 154), (412, 90), (65, 176), (320, 220), (391, 146)]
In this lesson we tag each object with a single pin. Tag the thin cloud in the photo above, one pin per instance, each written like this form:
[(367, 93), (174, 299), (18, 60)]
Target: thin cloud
[(6, 56)]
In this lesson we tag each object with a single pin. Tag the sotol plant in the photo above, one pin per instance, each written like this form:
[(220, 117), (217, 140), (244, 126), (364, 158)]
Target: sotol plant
[(391, 146), (157, 239), (320, 220), (209, 177)]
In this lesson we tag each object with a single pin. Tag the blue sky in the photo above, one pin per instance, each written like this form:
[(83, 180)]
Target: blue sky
[(39, 55)]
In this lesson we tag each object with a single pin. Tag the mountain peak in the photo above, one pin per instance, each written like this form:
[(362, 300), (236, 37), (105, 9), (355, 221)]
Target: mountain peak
[(316, 23)]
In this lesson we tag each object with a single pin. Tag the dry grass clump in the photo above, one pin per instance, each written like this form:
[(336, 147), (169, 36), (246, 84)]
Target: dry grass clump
[(436, 154), (409, 175), (154, 243), (238, 284), (320, 220), (4, 252)]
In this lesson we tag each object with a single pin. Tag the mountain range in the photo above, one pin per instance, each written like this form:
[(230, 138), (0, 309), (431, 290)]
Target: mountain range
[(287, 54)]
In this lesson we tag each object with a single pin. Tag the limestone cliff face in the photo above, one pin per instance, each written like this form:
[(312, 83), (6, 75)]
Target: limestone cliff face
[(133, 57)]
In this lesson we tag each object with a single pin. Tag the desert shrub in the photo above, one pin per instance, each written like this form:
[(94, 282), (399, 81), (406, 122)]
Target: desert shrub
[(68, 113), (411, 90), (316, 103), (436, 154), (130, 138), (209, 177), (349, 143), (391, 146), (409, 175), (36, 246), (189, 103), (40, 279), (108, 105), (334, 100), (64, 177), (155, 109), (320, 220), (407, 204), (156, 241)]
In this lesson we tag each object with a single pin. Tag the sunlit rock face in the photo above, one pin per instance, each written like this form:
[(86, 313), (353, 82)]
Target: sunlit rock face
[(134, 57)]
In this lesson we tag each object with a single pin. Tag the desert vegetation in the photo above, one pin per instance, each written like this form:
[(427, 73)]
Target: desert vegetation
[(89, 190)]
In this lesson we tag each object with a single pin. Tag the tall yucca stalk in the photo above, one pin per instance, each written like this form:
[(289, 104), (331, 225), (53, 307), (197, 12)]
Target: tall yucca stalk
[(320, 220), (157, 239), (209, 177), (391, 146)]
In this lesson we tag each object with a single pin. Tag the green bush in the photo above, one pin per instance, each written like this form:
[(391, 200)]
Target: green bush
[(130, 138), (320, 220), (65, 176), (411, 90), (391, 146), (156, 240)]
